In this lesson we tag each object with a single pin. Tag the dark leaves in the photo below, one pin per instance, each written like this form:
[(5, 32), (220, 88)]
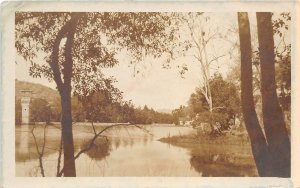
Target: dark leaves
[(98, 38)]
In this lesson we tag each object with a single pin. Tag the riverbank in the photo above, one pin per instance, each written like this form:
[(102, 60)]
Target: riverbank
[(232, 138), (226, 155)]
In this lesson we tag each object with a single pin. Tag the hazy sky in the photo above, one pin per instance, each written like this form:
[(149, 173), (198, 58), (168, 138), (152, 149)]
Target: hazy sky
[(155, 86)]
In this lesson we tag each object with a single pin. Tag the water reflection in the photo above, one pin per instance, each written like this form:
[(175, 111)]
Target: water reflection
[(117, 143), (145, 140), (129, 151), (220, 165), (100, 148), (222, 160), (26, 146), (131, 142)]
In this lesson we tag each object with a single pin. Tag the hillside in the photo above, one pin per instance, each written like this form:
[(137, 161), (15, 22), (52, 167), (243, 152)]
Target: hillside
[(39, 91)]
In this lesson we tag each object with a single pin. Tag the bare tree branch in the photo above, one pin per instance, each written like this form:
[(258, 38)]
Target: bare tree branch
[(59, 156), (142, 128), (215, 59), (90, 145), (40, 154)]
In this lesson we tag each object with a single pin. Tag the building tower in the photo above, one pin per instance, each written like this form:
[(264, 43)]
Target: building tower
[(25, 100)]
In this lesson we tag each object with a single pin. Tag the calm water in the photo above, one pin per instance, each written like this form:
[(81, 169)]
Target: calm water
[(129, 151)]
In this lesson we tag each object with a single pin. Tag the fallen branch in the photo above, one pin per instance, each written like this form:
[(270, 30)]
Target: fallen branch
[(92, 142), (145, 130)]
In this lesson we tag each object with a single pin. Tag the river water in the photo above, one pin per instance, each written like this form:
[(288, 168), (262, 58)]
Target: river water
[(130, 151)]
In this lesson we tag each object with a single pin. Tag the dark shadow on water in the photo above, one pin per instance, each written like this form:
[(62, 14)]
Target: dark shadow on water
[(117, 143), (223, 157), (131, 142), (100, 149), (222, 165), (145, 140)]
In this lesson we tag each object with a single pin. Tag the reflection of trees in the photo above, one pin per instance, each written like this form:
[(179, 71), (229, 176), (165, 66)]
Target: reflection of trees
[(145, 140), (222, 165), (100, 148), (125, 142), (131, 142), (90, 144), (40, 152), (117, 143), (29, 153)]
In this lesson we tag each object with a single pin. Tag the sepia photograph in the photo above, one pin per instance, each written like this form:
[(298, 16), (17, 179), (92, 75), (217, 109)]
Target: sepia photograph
[(136, 93)]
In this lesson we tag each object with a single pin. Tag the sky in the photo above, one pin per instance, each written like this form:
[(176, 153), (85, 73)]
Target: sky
[(155, 86)]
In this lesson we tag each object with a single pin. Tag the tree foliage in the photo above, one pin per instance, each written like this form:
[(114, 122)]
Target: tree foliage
[(282, 49), (77, 45), (281, 27), (40, 111), (18, 112), (226, 102), (181, 112), (98, 38)]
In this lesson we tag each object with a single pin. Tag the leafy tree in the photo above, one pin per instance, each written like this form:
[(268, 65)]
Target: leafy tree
[(98, 103), (163, 118), (282, 51), (78, 112), (40, 110), (181, 112), (149, 116), (128, 112), (203, 36), (225, 95), (116, 115), (18, 112), (55, 111), (226, 100), (78, 45), (283, 60), (202, 39), (140, 117)]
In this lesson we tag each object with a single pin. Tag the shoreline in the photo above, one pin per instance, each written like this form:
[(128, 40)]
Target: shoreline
[(231, 153), (228, 139)]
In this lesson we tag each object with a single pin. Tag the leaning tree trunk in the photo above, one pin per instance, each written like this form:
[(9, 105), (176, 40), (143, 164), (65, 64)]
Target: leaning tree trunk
[(64, 88), (258, 142), (67, 135), (273, 118), (69, 161)]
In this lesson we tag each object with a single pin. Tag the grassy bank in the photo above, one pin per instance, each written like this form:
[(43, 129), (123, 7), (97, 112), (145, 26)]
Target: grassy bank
[(232, 138)]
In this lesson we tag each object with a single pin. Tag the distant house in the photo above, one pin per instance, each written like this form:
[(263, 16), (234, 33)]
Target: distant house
[(185, 121)]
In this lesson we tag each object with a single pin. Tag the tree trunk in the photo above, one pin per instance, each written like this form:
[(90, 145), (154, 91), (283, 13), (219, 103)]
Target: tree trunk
[(258, 142), (67, 135), (273, 118), (64, 88), (69, 161)]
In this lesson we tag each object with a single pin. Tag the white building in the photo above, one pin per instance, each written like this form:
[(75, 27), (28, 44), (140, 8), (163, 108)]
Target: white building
[(25, 101)]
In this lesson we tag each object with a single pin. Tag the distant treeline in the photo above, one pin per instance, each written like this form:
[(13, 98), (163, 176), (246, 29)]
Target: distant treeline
[(100, 111)]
